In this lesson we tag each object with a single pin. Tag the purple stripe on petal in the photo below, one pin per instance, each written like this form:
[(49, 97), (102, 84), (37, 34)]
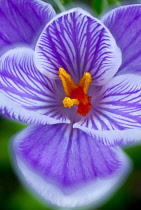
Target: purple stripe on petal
[(66, 156), (22, 21), (23, 84), (78, 43), (124, 24), (115, 117), (12, 110), (57, 159)]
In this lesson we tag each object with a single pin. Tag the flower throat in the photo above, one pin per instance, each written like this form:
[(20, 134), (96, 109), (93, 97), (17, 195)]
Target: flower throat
[(76, 93)]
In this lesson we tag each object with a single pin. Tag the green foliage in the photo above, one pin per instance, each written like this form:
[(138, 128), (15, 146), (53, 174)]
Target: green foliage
[(98, 6), (111, 2)]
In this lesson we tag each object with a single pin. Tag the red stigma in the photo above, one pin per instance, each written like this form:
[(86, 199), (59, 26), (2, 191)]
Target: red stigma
[(84, 101)]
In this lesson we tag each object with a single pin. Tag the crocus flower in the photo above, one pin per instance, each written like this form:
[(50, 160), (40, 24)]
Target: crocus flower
[(77, 81)]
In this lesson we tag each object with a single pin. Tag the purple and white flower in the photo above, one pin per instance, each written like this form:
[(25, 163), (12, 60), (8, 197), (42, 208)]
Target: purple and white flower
[(71, 159)]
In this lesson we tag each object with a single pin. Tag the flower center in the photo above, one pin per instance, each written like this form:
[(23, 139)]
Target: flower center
[(76, 93)]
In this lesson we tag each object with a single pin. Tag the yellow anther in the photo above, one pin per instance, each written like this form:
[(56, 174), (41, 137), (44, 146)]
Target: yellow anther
[(85, 81), (68, 102), (67, 82)]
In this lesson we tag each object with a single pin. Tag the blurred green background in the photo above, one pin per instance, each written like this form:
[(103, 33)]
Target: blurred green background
[(13, 196)]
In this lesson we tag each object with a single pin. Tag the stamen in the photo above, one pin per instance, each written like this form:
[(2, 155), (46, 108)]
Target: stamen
[(67, 82), (77, 94), (68, 102), (85, 81)]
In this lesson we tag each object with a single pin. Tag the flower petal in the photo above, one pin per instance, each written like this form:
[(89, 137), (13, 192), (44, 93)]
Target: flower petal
[(124, 24), (21, 21), (78, 43), (69, 162), (12, 110), (23, 84), (116, 113)]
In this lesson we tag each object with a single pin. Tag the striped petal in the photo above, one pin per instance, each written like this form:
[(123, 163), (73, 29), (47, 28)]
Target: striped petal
[(67, 163), (26, 87), (124, 24), (12, 110), (116, 114), (22, 21), (78, 43)]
